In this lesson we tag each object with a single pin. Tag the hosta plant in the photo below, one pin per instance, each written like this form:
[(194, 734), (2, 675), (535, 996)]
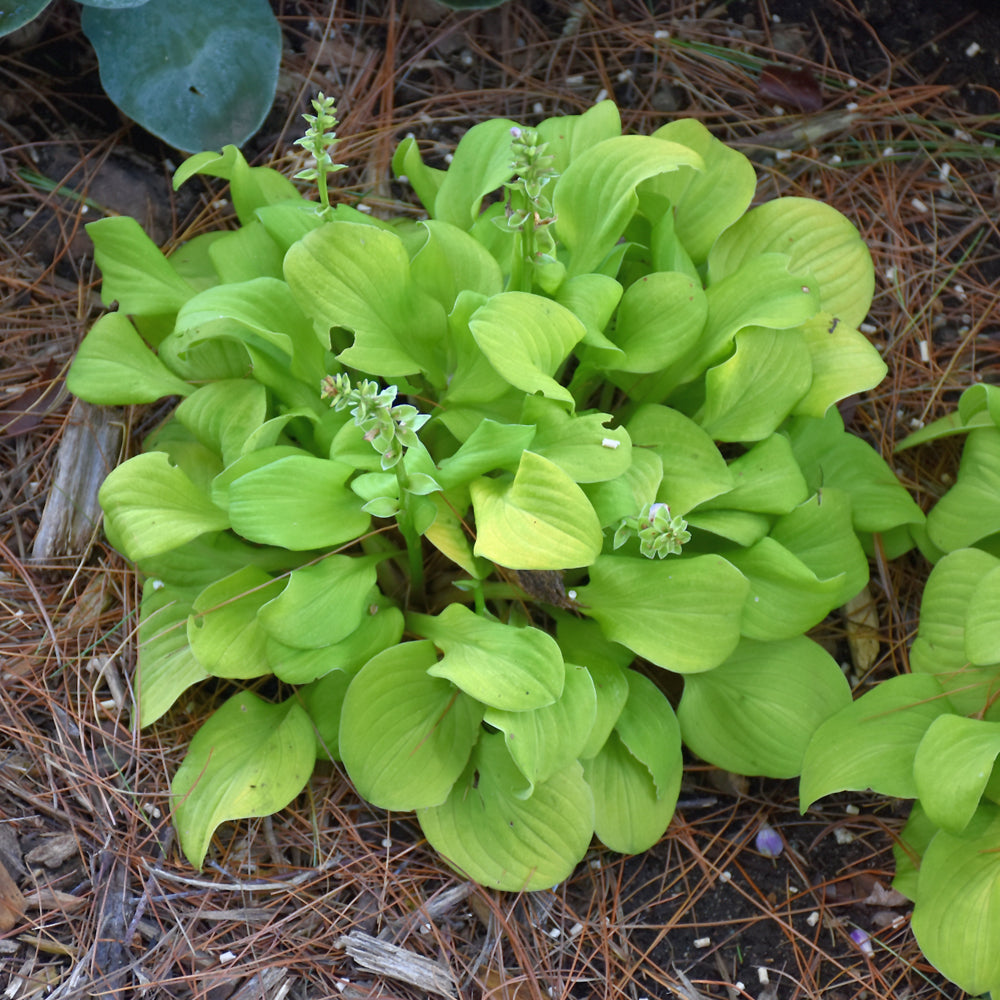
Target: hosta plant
[(934, 734), (468, 487)]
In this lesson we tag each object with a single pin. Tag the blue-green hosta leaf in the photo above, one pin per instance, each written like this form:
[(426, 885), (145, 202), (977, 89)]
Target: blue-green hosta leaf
[(681, 614), (492, 834), (567, 136), (843, 362), (502, 666), (381, 627), (751, 393), (250, 758), (956, 919), (197, 75), (135, 274), (786, 598), (829, 456), (545, 740), (818, 239), (952, 766), (526, 338), (221, 414), (541, 520), (167, 667), (322, 603), (631, 491), (358, 277), (451, 261), (940, 646), (113, 367), (482, 162), (298, 502), (223, 629), (151, 507), (982, 626), (595, 197), (970, 510), (660, 318), (693, 468), (405, 736), (251, 188), (819, 532), (872, 743), (708, 202), (581, 445), (766, 480), (16, 15), (757, 712)]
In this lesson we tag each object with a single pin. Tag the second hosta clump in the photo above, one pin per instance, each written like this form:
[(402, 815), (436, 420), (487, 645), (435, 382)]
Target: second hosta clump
[(465, 485)]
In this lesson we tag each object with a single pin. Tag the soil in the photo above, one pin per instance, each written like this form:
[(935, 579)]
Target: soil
[(704, 912)]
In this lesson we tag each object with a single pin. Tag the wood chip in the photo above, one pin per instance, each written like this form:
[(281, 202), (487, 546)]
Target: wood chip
[(399, 963), (47, 898), (11, 901), (53, 851), (861, 620)]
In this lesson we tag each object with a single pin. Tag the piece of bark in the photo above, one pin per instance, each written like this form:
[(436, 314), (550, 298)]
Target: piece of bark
[(11, 901), (399, 963), (87, 453)]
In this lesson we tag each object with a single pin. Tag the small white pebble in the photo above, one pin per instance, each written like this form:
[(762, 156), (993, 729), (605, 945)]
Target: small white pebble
[(961, 134), (888, 151), (783, 154), (602, 95), (916, 423), (739, 986), (448, 157), (852, 106), (725, 876), (702, 942), (571, 594), (362, 207), (403, 179), (973, 50), (624, 75), (84, 209), (944, 171), (813, 919), (219, 203), (595, 863), (575, 930), (835, 159), (989, 143), (611, 443), (960, 291), (843, 836), (890, 274), (852, 83), (467, 58), (918, 205), (868, 328), (538, 108), (554, 933), (776, 18), (575, 80), (386, 842), (425, 928), (762, 977), (661, 34), (925, 354), (157, 584), (227, 956)]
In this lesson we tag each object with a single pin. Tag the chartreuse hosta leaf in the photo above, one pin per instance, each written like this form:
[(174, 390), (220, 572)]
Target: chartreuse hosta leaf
[(405, 735), (952, 767), (250, 758), (766, 479), (545, 740), (358, 277), (682, 614), (872, 743), (148, 491), (819, 242), (490, 832), (451, 261), (636, 776), (504, 667), (956, 919), (617, 498), (221, 414), (970, 510), (167, 666), (756, 713), (223, 629), (540, 520), (570, 135), (982, 626), (114, 367), (595, 197)]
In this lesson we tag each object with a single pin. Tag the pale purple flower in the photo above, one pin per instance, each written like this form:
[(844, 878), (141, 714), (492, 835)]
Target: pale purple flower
[(861, 939), (769, 841)]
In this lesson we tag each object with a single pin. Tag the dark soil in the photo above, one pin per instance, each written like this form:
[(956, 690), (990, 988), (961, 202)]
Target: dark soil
[(750, 913)]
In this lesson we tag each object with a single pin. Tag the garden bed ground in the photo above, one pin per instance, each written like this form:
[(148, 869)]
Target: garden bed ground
[(902, 142)]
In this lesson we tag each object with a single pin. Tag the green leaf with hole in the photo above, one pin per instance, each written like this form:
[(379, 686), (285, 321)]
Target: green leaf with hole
[(405, 735), (152, 506), (502, 666), (492, 834), (756, 713), (196, 75), (872, 743), (681, 614), (540, 520), (251, 758)]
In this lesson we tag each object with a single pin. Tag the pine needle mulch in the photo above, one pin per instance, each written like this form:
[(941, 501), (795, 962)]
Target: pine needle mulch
[(331, 898)]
